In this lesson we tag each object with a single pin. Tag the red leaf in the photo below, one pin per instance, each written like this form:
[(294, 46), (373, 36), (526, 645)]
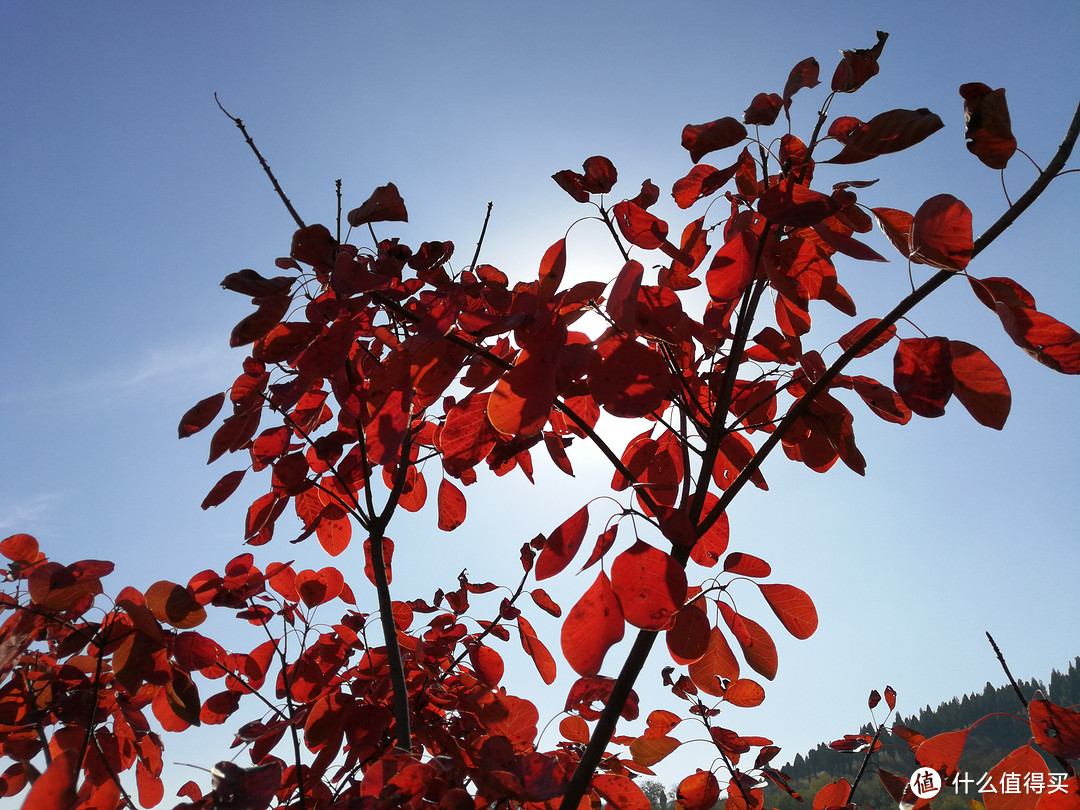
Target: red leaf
[(318, 587), (536, 650), (688, 636), (562, 544), (1044, 338), (622, 302), (744, 693), (248, 282), (793, 607), (941, 234), (451, 506), (223, 488), (647, 751), (719, 662), (763, 110), (649, 585), (592, 626), (334, 530), (922, 374), (552, 269), (600, 175), (620, 792), (269, 314), (699, 791), (466, 436), (746, 565), (896, 225), (757, 645), (521, 403), (852, 337), (545, 602), (55, 788), (175, 605), (21, 548), (858, 66), (804, 74), (979, 385), (890, 697), (1056, 729), (792, 205), (201, 415), (942, 752), (487, 663), (633, 380), (987, 126), (638, 226), (700, 139), (701, 181), (874, 699), (245, 788), (714, 542), (732, 267), (384, 205), (1024, 763), (886, 133)]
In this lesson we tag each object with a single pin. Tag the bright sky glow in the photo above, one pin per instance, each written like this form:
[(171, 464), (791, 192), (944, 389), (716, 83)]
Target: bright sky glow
[(128, 196)]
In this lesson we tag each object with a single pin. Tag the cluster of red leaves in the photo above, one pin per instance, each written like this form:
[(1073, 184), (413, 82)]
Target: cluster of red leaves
[(372, 374)]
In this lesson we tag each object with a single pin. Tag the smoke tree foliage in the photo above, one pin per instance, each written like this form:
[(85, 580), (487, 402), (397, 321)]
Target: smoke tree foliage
[(380, 375)]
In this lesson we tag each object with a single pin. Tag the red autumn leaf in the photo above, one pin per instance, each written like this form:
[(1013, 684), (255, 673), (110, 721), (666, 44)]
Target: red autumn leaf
[(387, 556), (600, 175), (792, 205), (757, 645), (591, 627), (941, 234), (732, 267), (793, 607), (979, 385), (987, 126), (572, 183), (522, 400), (714, 542), (562, 544), (874, 699), (466, 436), (857, 67), (285, 341), (269, 314), (1046, 339), (223, 488), (804, 74), (270, 444), (763, 110), (744, 693), (992, 291), (314, 245), (832, 794), (746, 565), (633, 380), (649, 585), (175, 605), (545, 602), (590, 690), (620, 792), (55, 788), (699, 791), (896, 225), (536, 650), (647, 751), (688, 637), (603, 543), (21, 548), (700, 139), (384, 205), (239, 788), (852, 337), (885, 134), (574, 729), (660, 722), (194, 651), (1026, 761), (623, 300), (451, 506), (719, 662), (942, 752), (701, 181), (638, 226), (318, 587), (181, 699), (201, 414), (1056, 729), (922, 374), (249, 282), (552, 269), (890, 697)]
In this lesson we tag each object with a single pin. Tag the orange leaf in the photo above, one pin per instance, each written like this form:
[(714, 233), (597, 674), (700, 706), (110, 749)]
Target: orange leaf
[(793, 607), (1056, 729), (745, 693), (717, 663), (55, 788), (942, 752), (699, 791), (592, 626), (1020, 763), (451, 506), (174, 604), (620, 792), (648, 751)]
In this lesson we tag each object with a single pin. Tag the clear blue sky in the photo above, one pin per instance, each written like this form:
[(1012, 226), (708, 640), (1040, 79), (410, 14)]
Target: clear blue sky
[(128, 196)]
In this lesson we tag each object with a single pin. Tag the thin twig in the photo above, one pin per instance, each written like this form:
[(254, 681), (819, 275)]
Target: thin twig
[(480, 241), (262, 162), (1004, 666)]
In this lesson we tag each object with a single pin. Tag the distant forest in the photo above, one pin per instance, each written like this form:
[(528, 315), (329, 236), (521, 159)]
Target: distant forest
[(988, 743)]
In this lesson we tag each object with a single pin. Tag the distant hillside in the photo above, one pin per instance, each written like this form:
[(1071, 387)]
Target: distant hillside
[(987, 744)]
